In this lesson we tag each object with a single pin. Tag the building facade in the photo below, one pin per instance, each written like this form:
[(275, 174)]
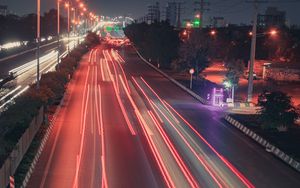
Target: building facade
[(272, 18), (171, 13), (3, 10), (153, 13)]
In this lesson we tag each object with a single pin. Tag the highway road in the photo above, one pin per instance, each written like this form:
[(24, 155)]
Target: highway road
[(91, 144), (23, 68), (260, 168), (123, 124)]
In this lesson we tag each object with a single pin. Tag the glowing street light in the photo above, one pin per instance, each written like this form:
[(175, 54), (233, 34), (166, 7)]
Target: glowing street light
[(192, 71), (213, 32), (273, 32), (81, 5)]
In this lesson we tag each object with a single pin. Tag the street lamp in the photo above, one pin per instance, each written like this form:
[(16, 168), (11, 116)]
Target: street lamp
[(254, 35), (58, 29), (273, 32), (38, 44), (67, 5), (192, 71), (213, 32)]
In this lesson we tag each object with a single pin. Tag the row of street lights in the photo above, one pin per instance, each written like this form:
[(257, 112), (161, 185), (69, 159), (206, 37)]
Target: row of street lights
[(81, 6)]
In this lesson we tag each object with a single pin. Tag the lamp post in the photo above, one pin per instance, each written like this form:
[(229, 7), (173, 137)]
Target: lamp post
[(192, 71), (38, 44), (67, 5), (58, 29)]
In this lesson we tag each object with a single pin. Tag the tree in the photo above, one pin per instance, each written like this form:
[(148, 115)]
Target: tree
[(235, 69), (276, 110), (193, 53), (158, 41)]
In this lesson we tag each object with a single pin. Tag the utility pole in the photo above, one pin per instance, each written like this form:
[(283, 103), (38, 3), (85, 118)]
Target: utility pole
[(252, 53), (253, 49), (201, 7)]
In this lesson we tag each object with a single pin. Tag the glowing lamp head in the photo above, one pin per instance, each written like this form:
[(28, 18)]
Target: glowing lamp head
[(250, 33), (192, 71), (273, 32), (197, 16), (213, 32), (188, 25)]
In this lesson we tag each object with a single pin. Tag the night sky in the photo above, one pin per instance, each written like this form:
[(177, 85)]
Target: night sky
[(234, 11)]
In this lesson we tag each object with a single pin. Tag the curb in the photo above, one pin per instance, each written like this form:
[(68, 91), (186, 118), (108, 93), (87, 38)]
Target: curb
[(274, 150), (193, 94)]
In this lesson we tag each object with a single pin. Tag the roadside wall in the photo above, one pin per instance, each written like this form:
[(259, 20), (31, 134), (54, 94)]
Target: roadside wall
[(283, 74), (10, 165)]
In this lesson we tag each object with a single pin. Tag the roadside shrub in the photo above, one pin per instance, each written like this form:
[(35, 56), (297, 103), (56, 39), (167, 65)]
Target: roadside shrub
[(16, 119)]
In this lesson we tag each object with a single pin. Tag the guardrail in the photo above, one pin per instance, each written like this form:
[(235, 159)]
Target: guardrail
[(203, 101), (26, 51), (274, 150)]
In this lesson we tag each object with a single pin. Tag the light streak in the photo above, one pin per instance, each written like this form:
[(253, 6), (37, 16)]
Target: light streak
[(175, 154), (15, 96), (229, 165)]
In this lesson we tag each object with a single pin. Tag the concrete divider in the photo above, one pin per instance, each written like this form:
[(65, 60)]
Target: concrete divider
[(203, 101), (274, 150)]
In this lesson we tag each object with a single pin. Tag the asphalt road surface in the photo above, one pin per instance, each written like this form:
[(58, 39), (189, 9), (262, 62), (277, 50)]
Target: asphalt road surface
[(123, 125)]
